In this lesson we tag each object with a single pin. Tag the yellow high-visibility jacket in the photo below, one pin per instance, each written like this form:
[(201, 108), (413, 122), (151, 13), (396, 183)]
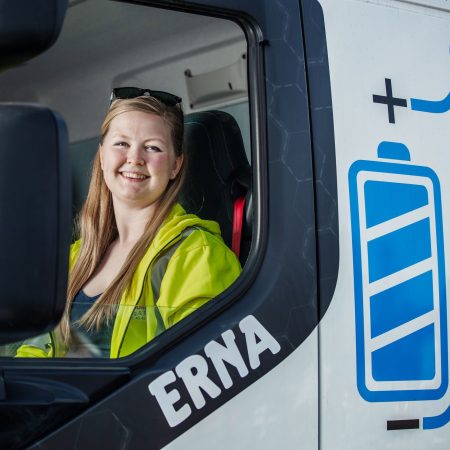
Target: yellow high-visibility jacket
[(186, 265)]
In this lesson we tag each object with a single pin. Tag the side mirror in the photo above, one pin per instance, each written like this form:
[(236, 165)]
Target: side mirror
[(28, 27), (35, 220)]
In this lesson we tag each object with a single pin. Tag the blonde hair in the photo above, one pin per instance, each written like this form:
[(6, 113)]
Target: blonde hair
[(97, 226)]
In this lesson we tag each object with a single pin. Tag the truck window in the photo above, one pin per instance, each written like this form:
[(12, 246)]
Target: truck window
[(199, 58)]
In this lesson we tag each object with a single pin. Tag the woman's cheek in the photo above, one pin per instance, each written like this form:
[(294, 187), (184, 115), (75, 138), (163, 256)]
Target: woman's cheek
[(159, 161)]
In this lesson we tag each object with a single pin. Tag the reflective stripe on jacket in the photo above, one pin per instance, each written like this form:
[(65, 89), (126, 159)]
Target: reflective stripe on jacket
[(200, 268)]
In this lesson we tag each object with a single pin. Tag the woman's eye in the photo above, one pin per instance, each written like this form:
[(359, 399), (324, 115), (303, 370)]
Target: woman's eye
[(152, 148), (120, 144)]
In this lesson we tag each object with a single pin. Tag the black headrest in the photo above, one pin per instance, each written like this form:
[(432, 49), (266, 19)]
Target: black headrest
[(218, 169), (28, 27), (36, 221)]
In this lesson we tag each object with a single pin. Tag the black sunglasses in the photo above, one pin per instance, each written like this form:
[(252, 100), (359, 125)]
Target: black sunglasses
[(133, 92)]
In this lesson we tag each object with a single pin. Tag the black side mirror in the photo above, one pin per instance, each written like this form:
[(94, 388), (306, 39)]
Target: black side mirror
[(28, 27), (35, 220)]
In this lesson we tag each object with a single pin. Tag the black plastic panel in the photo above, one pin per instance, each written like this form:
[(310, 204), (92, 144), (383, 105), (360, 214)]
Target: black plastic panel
[(322, 132)]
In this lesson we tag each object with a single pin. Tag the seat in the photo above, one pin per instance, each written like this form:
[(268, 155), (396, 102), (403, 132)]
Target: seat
[(218, 173)]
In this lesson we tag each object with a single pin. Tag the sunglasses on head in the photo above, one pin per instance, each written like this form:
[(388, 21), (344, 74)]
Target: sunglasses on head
[(133, 92)]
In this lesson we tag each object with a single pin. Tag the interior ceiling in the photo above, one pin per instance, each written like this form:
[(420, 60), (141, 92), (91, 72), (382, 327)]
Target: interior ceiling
[(103, 29)]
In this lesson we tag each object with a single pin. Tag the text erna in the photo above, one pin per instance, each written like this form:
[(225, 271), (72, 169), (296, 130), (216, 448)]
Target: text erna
[(193, 370)]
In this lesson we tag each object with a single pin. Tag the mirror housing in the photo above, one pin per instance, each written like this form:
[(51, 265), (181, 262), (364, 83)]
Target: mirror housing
[(35, 220), (28, 27)]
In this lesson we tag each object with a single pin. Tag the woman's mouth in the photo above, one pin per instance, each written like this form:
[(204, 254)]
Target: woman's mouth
[(134, 176)]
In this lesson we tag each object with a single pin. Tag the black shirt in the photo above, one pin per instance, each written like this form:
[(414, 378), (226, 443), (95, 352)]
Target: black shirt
[(93, 343)]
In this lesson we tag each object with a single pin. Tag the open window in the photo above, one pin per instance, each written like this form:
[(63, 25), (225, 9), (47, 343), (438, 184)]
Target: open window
[(200, 58)]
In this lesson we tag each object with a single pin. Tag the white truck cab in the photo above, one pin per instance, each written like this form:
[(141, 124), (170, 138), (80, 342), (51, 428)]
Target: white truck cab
[(335, 336)]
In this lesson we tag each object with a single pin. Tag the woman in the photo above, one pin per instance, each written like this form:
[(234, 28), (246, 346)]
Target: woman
[(142, 264)]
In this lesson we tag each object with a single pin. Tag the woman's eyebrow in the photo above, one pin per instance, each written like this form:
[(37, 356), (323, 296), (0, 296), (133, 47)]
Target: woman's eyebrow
[(123, 135), (156, 138), (118, 134)]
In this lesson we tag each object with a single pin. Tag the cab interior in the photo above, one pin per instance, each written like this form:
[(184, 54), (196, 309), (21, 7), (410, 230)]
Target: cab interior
[(202, 59)]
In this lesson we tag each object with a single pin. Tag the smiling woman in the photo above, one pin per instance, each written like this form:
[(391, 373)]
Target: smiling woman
[(138, 159), (141, 264)]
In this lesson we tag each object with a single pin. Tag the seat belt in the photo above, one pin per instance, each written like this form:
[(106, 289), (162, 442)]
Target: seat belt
[(238, 216)]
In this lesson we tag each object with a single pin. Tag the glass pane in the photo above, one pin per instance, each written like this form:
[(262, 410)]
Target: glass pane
[(104, 45)]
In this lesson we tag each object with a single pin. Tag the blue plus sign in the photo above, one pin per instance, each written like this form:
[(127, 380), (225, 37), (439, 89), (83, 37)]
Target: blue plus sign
[(390, 100)]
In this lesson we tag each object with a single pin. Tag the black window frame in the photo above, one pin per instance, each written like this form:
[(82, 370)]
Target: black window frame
[(256, 95)]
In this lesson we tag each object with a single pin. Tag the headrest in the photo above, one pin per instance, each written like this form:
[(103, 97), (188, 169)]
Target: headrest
[(218, 169), (27, 28), (36, 222)]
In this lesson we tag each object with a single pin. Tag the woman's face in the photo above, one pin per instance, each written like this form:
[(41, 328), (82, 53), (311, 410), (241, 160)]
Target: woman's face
[(138, 159)]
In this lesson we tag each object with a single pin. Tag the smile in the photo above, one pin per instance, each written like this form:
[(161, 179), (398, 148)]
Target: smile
[(134, 175)]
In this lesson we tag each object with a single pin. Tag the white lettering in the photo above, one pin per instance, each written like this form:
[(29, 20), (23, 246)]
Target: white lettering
[(194, 372), (252, 329), (166, 399), (229, 353)]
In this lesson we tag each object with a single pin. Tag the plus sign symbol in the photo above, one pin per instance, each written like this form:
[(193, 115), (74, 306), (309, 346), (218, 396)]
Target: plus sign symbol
[(390, 100)]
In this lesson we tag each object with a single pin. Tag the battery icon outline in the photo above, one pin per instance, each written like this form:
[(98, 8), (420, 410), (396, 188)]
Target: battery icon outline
[(370, 282)]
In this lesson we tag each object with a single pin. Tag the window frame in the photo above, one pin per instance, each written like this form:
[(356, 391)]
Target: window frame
[(256, 103)]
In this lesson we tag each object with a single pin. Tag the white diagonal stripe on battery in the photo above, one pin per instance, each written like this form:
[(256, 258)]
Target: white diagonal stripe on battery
[(401, 331), (398, 222), (396, 278)]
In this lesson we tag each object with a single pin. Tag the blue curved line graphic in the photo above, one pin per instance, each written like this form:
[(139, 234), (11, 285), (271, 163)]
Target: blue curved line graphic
[(430, 423), (429, 106)]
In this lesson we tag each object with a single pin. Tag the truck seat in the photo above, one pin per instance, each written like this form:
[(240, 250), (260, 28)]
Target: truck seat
[(218, 173)]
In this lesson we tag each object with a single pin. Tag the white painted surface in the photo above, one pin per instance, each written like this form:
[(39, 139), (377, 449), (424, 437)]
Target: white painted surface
[(369, 41), (277, 411)]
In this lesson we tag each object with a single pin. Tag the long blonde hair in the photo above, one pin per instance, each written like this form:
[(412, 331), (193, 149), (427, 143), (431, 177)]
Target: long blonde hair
[(97, 225)]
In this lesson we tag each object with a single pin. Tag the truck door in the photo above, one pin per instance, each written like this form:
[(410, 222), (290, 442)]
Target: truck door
[(243, 370)]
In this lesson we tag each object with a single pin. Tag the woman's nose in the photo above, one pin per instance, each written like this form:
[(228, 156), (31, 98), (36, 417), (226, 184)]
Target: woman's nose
[(134, 155)]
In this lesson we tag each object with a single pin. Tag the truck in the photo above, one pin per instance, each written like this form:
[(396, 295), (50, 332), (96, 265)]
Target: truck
[(335, 335)]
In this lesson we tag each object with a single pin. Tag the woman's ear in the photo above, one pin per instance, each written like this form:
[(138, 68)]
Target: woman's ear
[(100, 151), (177, 166)]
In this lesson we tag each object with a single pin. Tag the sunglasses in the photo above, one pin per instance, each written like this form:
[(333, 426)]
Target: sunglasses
[(133, 92)]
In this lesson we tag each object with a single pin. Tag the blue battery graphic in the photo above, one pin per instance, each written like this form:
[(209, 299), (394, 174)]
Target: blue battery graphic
[(399, 278)]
